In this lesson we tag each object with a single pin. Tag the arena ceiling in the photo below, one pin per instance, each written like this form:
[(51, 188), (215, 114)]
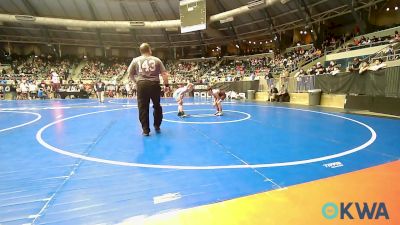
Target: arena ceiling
[(261, 23)]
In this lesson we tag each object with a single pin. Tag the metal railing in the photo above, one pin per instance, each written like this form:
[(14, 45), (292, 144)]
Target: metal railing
[(305, 47), (292, 84), (384, 52), (18, 76), (392, 57), (362, 46)]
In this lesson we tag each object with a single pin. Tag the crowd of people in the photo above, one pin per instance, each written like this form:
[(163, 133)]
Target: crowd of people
[(37, 67), (104, 68), (25, 89), (365, 42), (31, 74)]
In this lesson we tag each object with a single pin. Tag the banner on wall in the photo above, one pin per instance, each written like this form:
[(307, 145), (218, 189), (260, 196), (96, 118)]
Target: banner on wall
[(372, 83)]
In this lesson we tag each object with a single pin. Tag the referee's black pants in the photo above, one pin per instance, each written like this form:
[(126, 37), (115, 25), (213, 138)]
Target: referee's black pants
[(147, 90)]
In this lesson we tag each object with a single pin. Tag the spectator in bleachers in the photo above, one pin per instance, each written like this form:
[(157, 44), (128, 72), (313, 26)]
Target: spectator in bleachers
[(13, 89), (272, 95), (41, 93), (32, 89), (355, 67), (396, 37), (331, 66), (16, 71), (203, 70), (319, 70), (312, 70), (283, 95), (24, 88), (284, 77), (377, 65), (268, 76), (363, 67), (104, 68), (81, 86), (390, 53), (318, 52), (332, 69), (299, 76)]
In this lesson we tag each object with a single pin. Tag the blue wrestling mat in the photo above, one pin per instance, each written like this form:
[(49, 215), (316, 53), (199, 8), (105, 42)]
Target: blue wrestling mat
[(82, 162)]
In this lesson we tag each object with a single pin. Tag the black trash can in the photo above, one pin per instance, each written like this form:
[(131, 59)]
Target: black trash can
[(314, 96), (251, 94)]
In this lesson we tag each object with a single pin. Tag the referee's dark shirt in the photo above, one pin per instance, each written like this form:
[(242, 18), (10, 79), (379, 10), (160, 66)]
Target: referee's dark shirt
[(100, 86)]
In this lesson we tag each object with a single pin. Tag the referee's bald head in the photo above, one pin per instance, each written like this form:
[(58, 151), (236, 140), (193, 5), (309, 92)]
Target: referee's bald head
[(145, 49)]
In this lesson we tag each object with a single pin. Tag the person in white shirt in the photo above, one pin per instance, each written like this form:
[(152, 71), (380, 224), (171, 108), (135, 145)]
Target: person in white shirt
[(32, 90), (377, 65), (284, 77), (299, 80), (178, 96), (55, 80), (332, 68), (24, 88)]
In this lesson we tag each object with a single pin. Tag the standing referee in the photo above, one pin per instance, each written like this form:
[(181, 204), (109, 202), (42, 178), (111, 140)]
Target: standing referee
[(145, 71)]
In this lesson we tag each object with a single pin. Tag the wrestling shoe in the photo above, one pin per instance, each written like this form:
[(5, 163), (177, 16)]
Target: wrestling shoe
[(180, 114), (219, 114), (183, 114)]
